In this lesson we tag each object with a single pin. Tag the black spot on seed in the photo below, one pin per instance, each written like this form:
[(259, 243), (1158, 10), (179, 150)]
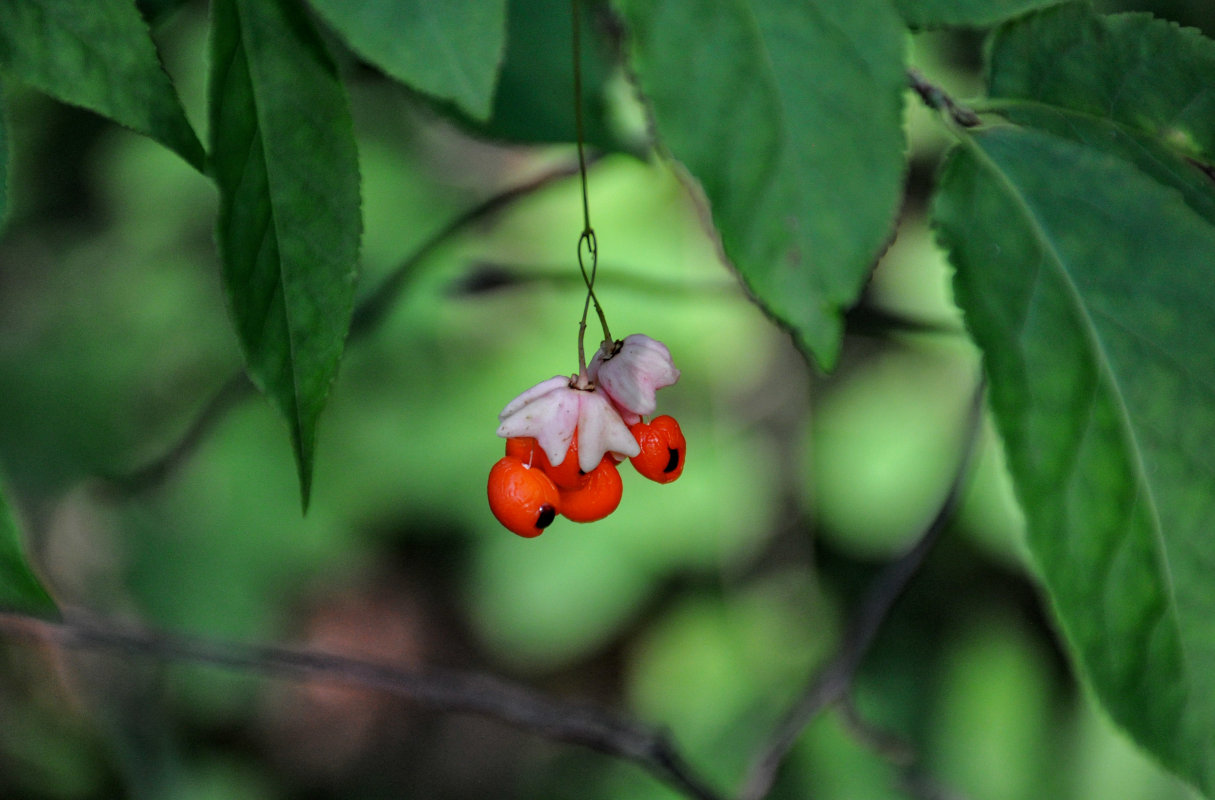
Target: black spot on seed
[(672, 460), (547, 515)]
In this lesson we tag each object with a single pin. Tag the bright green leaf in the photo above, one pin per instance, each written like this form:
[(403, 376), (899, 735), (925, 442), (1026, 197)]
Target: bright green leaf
[(1127, 84), (790, 116), (965, 13), (20, 589), (1089, 289), (289, 226), (451, 50), (97, 54)]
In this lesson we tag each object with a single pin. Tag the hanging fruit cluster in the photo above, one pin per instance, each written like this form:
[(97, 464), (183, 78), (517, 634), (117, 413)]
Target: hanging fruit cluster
[(565, 436)]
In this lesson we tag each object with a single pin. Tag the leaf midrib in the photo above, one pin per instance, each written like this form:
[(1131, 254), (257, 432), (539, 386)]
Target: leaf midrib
[(254, 93), (1103, 364), (998, 104)]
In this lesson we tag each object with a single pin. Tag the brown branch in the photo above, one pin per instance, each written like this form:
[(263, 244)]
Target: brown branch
[(367, 316), (832, 681), (936, 98), (445, 691), (490, 275)]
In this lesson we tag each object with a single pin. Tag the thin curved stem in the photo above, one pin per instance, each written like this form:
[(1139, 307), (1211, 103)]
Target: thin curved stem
[(579, 128), (587, 237)]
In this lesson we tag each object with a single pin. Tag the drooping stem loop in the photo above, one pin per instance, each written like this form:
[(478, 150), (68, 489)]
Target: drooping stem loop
[(588, 247)]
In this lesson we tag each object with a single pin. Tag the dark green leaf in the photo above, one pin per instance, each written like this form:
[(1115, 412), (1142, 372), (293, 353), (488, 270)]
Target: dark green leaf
[(3, 160), (96, 54), (535, 98), (965, 13), (154, 11), (20, 589), (450, 50), (1129, 85), (790, 116), (285, 160), (1091, 292)]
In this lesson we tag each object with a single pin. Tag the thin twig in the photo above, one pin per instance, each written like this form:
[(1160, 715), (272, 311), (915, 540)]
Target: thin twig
[(936, 98), (446, 691), (890, 746), (159, 469), (371, 310), (489, 275), (367, 316), (897, 752), (834, 679), (926, 787)]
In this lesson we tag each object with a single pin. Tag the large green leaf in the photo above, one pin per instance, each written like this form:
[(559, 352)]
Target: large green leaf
[(788, 112), (20, 589), (1091, 291), (1127, 84), (96, 54), (289, 225), (965, 13), (451, 50)]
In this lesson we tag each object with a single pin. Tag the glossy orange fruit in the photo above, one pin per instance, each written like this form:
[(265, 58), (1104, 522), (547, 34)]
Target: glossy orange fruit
[(598, 498), (523, 498), (566, 475), (662, 449)]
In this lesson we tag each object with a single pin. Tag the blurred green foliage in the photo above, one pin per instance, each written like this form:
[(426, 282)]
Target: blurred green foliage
[(701, 605)]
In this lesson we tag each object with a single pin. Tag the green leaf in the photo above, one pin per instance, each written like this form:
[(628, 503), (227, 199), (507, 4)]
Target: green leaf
[(450, 50), (535, 97), (1089, 289), (20, 589), (965, 13), (1129, 85), (97, 54), (285, 161), (790, 116)]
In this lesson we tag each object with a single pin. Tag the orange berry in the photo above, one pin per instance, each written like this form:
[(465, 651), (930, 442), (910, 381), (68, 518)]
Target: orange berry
[(598, 498), (662, 449), (524, 499), (523, 448), (566, 475)]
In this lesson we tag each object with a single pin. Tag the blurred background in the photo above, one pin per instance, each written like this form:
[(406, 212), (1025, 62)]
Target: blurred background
[(702, 605)]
